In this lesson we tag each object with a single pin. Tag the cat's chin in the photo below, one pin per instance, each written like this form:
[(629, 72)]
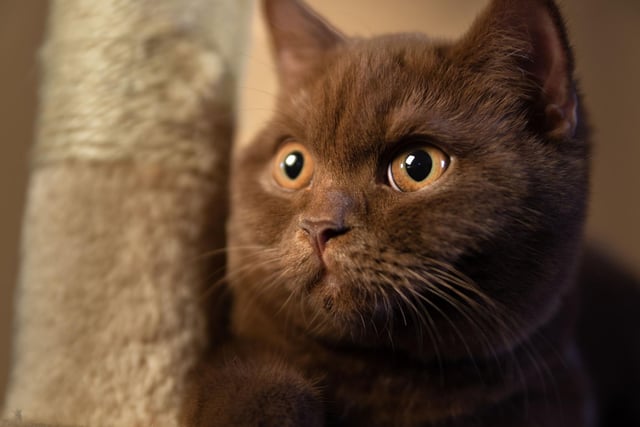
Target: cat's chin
[(326, 292), (343, 307)]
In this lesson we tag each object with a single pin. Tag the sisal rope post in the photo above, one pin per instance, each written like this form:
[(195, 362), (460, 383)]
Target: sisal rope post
[(127, 194)]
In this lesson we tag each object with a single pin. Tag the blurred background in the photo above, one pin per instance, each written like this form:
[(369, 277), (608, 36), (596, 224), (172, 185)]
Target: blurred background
[(606, 36)]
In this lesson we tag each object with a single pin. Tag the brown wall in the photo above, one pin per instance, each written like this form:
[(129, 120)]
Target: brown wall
[(606, 36), (21, 29)]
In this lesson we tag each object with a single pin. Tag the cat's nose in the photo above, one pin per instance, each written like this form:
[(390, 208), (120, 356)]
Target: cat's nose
[(320, 231)]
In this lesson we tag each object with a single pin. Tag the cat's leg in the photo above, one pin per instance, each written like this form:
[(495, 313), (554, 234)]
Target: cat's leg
[(261, 391)]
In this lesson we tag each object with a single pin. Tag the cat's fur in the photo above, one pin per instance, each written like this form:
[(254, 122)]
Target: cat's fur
[(450, 306)]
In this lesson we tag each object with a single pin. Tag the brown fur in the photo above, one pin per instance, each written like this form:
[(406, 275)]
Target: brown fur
[(451, 306)]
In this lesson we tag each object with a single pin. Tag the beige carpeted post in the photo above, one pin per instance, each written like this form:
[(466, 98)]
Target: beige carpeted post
[(127, 195)]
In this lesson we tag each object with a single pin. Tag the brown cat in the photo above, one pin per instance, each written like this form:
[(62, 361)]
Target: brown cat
[(406, 234)]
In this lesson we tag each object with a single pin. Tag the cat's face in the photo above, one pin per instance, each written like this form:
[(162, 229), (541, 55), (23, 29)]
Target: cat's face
[(407, 190)]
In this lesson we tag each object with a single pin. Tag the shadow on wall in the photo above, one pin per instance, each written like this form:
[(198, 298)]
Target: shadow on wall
[(608, 66), (21, 31)]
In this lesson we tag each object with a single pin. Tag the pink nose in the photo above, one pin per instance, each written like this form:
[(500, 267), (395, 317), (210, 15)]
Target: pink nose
[(321, 231)]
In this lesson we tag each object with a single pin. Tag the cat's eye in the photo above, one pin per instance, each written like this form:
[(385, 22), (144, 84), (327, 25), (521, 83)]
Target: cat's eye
[(417, 167), (293, 166)]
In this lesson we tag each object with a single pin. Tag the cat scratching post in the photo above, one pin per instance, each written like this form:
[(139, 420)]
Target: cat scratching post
[(127, 193)]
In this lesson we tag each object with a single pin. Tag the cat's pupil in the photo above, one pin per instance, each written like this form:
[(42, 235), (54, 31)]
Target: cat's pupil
[(418, 165), (293, 164)]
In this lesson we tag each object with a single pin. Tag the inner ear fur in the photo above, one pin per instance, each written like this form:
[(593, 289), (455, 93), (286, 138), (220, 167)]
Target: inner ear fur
[(530, 37)]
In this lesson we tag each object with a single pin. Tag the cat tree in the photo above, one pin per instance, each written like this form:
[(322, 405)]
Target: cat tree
[(127, 195)]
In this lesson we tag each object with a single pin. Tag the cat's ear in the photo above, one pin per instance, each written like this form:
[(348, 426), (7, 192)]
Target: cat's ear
[(530, 36), (299, 38)]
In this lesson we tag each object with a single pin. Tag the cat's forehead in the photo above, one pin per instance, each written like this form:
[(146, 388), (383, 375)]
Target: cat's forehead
[(376, 90), (368, 75), (372, 93)]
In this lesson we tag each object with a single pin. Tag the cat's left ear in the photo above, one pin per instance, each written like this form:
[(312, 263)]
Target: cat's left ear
[(299, 37), (531, 35)]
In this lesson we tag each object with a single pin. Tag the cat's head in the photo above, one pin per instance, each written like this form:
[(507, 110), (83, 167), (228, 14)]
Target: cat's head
[(409, 189)]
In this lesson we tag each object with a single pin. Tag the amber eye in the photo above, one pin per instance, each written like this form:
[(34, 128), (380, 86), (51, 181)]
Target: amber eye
[(417, 168), (293, 166)]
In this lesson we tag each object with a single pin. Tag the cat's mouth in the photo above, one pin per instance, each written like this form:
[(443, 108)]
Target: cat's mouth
[(336, 286), (328, 288), (339, 295)]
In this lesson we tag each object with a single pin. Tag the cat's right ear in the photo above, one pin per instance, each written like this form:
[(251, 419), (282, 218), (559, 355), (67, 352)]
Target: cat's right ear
[(299, 38)]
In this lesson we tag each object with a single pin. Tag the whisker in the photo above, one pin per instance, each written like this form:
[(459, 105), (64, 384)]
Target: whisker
[(453, 326), (426, 322)]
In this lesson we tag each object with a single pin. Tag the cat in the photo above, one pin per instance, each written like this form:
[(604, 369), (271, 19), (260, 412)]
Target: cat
[(406, 235)]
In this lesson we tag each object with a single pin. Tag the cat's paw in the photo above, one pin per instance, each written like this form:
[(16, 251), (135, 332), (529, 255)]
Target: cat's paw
[(251, 394)]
